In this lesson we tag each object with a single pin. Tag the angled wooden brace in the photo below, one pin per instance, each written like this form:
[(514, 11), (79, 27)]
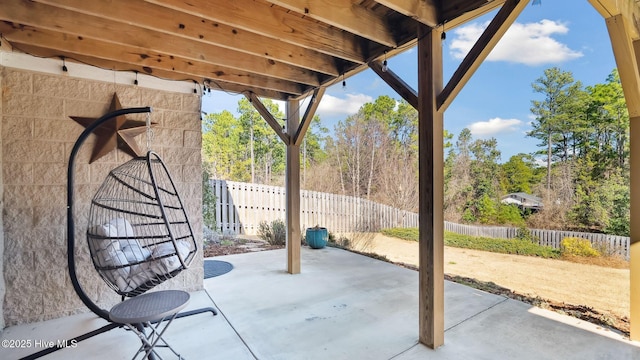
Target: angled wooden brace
[(266, 115), (308, 115), (396, 83), (480, 50)]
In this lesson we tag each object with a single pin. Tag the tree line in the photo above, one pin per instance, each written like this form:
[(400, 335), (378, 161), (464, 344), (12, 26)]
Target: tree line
[(581, 171)]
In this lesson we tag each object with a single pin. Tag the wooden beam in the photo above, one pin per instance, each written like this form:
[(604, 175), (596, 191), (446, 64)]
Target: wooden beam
[(343, 14), (308, 115), (626, 60), (162, 74), (629, 9), (480, 50), (396, 83), (626, 55), (267, 116), (471, 15), (294, 234), (4, 45), (276, 23), (431, 188), (424, 11), (207, 32), (634, 259)]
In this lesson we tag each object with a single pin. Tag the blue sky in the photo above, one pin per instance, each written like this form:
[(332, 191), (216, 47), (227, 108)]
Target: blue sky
[(568, 34)]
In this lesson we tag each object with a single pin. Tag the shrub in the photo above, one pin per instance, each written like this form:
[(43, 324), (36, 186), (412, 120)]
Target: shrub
[(338, 241), (525, 234), (505, 246), (510, 214), (274, 233), (208, 201), (468, 217), (527, 245), (578, 247), (402, 233)]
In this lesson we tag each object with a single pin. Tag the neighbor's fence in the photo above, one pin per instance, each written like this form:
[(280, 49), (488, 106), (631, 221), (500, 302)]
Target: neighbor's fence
[(241, 207), (614, 244)]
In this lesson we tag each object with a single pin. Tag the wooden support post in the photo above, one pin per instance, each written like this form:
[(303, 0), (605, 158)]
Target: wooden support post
[(626, 53), (293, 190), (431, 188), (634, 260)]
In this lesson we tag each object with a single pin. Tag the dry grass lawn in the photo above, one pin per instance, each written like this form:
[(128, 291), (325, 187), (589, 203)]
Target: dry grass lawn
[(601, 288)]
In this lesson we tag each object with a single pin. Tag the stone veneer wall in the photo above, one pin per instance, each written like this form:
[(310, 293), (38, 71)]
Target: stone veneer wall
[(37, 137)]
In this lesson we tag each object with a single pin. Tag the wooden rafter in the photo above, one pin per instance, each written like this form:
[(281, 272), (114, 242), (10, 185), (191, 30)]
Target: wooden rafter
[(91, 27), (472, 14), (205, 32), (162, 74), (424, 11), (340, 13), (261, 18), (280, 48), (21, 34)]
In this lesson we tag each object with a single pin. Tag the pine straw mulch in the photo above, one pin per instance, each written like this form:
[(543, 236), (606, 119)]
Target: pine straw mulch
[(605, 319), (237, 246)]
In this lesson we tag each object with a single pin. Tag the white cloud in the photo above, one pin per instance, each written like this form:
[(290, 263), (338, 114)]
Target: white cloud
[(282, 105), (331, 105), (529, 44), (495, 126)]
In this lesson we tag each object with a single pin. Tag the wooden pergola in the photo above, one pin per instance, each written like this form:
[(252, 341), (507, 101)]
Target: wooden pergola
[(292, 49)]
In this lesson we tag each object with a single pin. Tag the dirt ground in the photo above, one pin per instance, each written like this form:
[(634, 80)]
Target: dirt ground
[(590, 292)]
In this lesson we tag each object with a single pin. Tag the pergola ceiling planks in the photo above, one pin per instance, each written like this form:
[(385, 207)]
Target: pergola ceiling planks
[(168, 22), (26, 35), (340, 14), (279, 49), (275, 22)]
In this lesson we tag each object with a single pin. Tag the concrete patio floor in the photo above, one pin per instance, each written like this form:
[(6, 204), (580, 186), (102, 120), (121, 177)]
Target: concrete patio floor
[(342, 306)]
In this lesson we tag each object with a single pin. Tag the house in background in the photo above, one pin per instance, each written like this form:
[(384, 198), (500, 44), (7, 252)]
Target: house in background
[(523, 200)]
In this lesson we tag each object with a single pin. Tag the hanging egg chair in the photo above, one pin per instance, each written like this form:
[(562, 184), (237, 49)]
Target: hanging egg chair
[(138, 236), (138, 231)]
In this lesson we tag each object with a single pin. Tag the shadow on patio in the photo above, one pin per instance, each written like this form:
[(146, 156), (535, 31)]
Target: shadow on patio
[(342, 306)]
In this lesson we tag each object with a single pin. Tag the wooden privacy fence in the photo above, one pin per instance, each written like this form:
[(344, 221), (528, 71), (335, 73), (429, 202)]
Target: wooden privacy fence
[(242, 206)]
